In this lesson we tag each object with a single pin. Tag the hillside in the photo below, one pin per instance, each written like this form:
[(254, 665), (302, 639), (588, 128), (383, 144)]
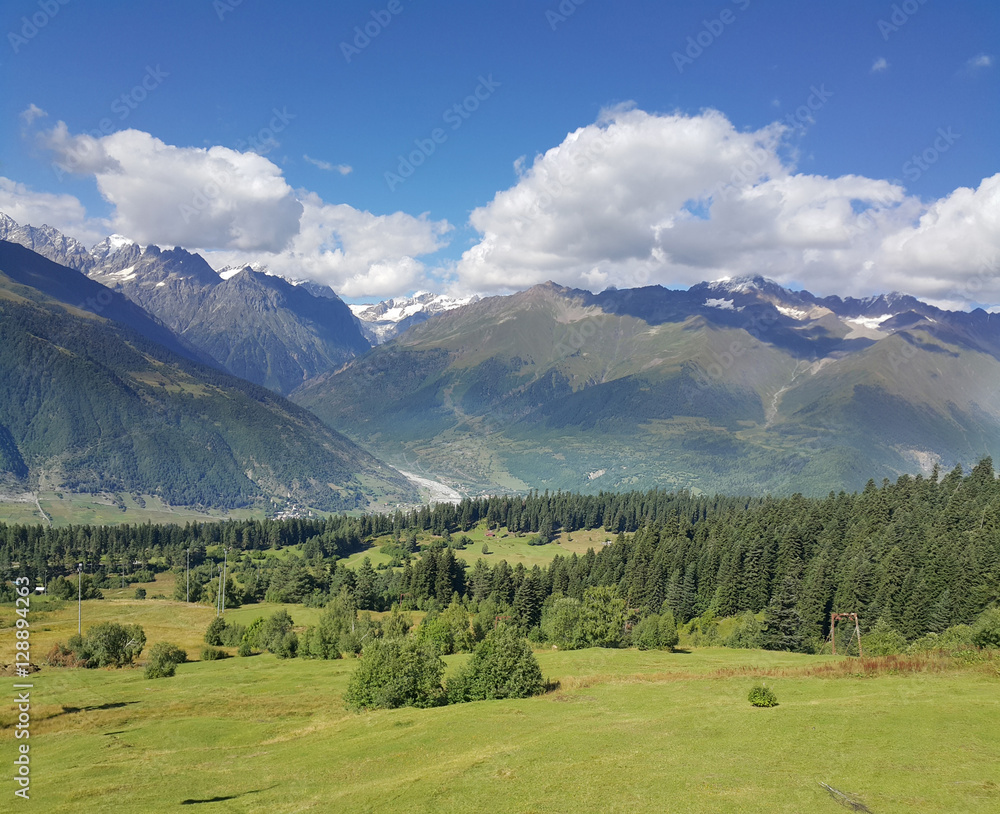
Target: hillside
[(254, 325), (738, 386), (92, 404)]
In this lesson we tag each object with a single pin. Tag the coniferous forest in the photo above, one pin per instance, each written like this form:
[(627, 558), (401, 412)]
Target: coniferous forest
[(916, 556)]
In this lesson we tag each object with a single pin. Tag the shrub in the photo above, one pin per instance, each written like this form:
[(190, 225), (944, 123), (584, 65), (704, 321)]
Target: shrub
[(163, 660), (502, 666), (108, 644), (245, 649), (883, 640), (213, 636), (140, 593), (287, 646), (746, 635), (232, 635), (561, 623), (213, 654), (762, 697), (986, 629), (395, 673)]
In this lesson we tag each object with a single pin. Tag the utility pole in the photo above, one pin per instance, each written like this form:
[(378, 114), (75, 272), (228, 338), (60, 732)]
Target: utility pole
[(225, 564), (79, 598), (218, 599)]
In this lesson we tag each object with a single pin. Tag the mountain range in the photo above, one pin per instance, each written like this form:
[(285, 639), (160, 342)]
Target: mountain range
[(738, 386), (254, 325), (98, 396), (385, 320)]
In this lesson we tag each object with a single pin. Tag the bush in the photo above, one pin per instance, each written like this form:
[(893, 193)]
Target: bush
[(502, 666), (163, 660), (986, 629), (232, 635), (213, 654), (105, 645), (746, 635), (245, 649), (762, 697), (395, 673), (213, 636), (288, 646), (646, 635), (883, 640), (140, 593)]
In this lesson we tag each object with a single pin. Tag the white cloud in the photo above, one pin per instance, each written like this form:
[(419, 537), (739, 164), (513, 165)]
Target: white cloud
[(979, 61), (186, 196), (233, 207), (62, 212), (880, 64), (343, 169), (638, 198), (32, 112), (357, 253)]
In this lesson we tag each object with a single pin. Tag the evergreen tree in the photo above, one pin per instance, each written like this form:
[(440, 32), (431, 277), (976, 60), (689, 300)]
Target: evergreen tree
[(783, 624)]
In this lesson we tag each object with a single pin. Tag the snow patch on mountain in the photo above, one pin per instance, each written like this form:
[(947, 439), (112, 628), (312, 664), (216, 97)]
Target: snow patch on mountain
[(872, 323), (794, 313), (381, 321), (722, 304)]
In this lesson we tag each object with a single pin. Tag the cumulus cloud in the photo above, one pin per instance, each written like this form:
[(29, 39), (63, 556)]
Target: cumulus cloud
[(63, 212), (978, 62), (343, 169), (186, 196), (356, 252), (233, 207), (638, 198), (32, 112), (880, 64)]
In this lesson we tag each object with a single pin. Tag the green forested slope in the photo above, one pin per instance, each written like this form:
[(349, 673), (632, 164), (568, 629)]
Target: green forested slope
[(94, 405)]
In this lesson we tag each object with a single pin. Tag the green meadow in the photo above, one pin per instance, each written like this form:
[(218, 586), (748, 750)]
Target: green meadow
[(624, 731)]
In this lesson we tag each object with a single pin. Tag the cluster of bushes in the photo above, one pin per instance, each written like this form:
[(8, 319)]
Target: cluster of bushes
[(163, 660), (108, 644), (273, 634), (404, 671), (603, 619)]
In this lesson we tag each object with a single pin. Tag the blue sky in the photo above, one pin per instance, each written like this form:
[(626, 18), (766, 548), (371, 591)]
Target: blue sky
[(861, 88)]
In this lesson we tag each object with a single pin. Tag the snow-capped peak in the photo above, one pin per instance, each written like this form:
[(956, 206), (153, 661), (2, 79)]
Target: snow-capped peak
[(381, 321), (399, 308), (226, 272)]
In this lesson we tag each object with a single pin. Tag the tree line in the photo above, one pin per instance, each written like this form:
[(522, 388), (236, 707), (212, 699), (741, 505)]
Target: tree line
[(919, 555)]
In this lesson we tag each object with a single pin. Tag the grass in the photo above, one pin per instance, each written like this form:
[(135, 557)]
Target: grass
[(503, 545), (64, 508), (626, 731)]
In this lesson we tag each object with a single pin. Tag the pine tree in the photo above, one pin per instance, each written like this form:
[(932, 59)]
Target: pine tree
[(783, 624)]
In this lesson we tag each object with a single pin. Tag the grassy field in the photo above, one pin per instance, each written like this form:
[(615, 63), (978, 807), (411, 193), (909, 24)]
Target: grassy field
[(63, 509), (626, 731), (502, 546)]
